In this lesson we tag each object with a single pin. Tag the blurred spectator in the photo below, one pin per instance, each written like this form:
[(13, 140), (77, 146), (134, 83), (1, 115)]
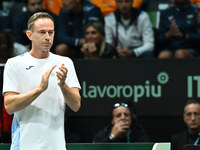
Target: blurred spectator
[(20, 21), (123, 127), (191, 135), (195, 2), (71, 22), (4, 19), (5, 123), (8, 47), (53, 6), (95, 46), (178, 33), (109, 6), (16, 8), (130, 31)]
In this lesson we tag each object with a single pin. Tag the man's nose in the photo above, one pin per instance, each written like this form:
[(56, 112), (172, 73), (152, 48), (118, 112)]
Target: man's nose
[(123, 116), (193, 116), (47, 36)]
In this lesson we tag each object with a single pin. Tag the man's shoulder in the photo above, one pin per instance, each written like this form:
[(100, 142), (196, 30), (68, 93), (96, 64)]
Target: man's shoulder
[(102, 134), (17, 59), (143, 14), (169, 10), (61, 58), (179, 135), (110, 17)]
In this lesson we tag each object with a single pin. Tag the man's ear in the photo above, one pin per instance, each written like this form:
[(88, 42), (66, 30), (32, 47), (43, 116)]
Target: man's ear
[(29, 34)]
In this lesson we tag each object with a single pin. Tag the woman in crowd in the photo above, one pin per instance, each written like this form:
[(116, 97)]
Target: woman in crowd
[(95, 46)]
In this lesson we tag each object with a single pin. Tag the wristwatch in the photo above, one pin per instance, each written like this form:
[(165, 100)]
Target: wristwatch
[(111, 136)]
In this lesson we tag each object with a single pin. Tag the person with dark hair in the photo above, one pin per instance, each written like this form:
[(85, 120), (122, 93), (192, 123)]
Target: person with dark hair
[(73, 17), (130, 31), (4, 19), (191, 135), (95, 46), (8, 46), (36, 86), (123, 127)]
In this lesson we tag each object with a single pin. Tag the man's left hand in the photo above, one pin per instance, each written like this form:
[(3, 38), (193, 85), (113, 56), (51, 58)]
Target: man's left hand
[(61, 75)]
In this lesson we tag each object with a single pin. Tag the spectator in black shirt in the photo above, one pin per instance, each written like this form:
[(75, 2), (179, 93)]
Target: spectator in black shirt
[(123, 127), (192, 134)]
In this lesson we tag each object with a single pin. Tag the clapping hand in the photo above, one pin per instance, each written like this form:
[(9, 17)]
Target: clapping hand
[(61, 75)]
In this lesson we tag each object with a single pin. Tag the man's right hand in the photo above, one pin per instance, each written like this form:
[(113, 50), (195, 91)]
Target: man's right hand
[(120, 129), (45, 79)]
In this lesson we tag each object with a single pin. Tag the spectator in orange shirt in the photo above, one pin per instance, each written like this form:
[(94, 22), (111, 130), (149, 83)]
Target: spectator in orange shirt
[(195, 1), (108, 6), (53, 6)]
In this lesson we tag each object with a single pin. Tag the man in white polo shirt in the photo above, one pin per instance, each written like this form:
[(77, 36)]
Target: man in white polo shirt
[(36, 87)]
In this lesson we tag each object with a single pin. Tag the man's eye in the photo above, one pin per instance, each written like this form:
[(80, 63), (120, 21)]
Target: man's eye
[(42, 32), (50, 32)]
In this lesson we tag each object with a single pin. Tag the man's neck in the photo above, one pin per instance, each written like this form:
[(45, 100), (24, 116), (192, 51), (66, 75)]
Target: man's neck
[(194, 131), (126, 16), (39, 54)]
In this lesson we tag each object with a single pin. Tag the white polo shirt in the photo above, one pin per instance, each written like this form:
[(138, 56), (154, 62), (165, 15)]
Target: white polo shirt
[(39, 126)]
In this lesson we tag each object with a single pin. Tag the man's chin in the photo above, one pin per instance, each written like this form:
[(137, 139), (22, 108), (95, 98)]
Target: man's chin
[(46, 50)]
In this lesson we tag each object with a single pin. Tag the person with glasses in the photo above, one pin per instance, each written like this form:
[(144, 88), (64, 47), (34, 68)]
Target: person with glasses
[(191, 135), (123, 127)]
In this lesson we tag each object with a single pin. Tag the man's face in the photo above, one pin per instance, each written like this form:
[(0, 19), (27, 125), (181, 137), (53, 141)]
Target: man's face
[(34, 6), (192, 116), (122, 113), (69, 4), (43, 34), (124, 6)]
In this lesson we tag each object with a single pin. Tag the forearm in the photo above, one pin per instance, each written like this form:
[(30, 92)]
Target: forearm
[(72, 97), (14, 102)]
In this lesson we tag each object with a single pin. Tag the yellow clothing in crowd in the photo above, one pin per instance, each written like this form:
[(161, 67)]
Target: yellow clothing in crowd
[(108, 6), (53, 6)]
